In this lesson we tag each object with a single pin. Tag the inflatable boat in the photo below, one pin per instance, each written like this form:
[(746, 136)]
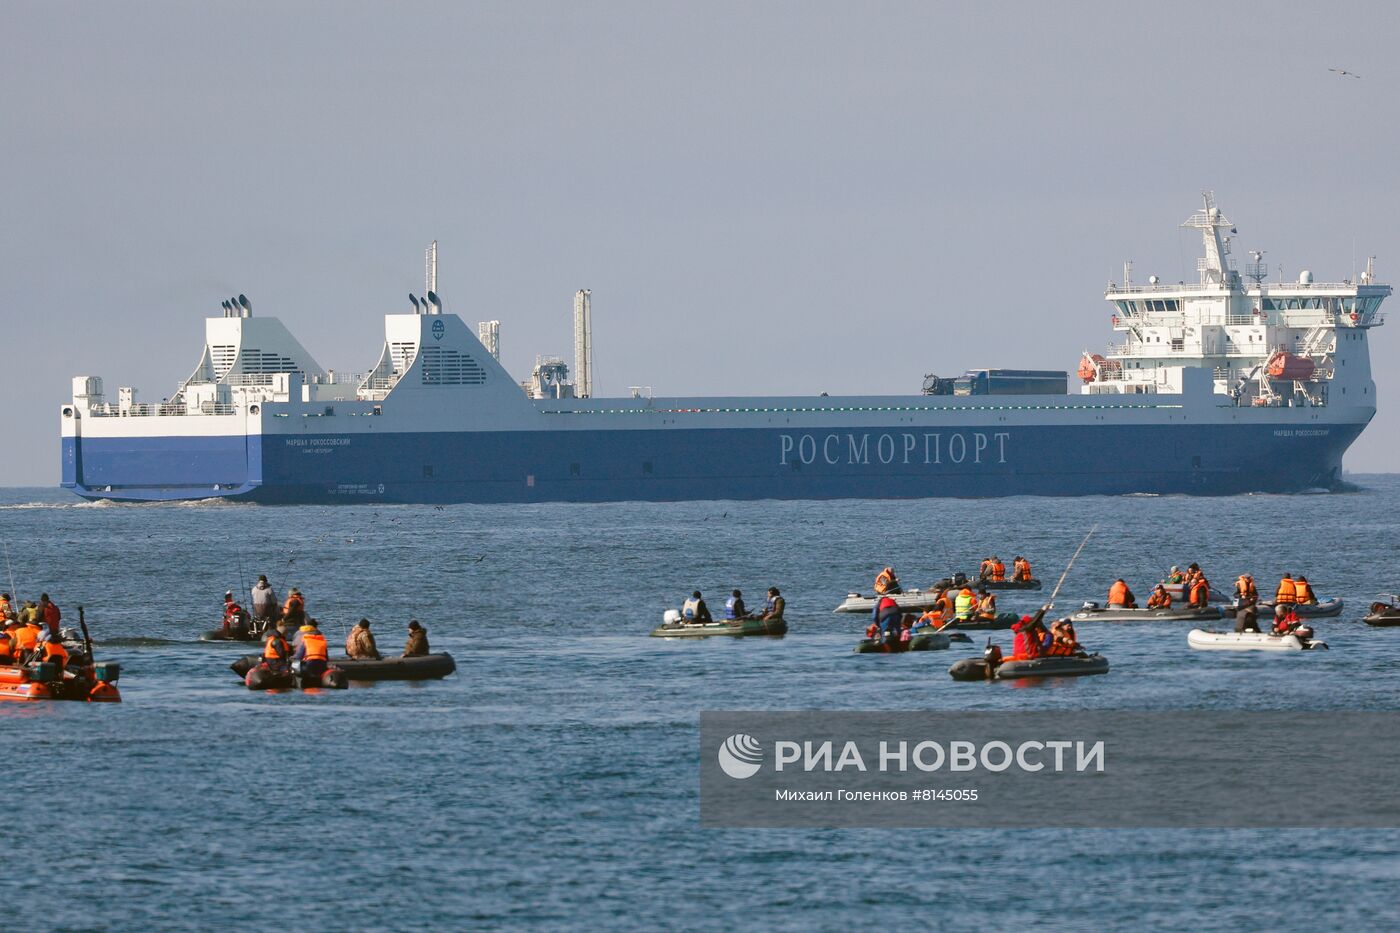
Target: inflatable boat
[(1203, 640), (1177, 591), (1003, 621), (1054, 666), (1093, 612), (1386, 614), (424, 667), (909, 601), (673, 627), (92, 683), (924, 641), (1321, 609), (1006, 584), (262, 677), (734, 629)]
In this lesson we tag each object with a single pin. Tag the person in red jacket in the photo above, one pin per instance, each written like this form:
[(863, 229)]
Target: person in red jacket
[(49, 614)]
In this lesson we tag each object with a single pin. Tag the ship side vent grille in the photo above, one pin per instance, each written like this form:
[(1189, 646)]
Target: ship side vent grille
[(402, 355), (447, 367), (260, 361), (223, 356)]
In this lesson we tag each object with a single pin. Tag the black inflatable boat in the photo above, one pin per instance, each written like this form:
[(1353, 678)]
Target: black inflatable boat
[(425, 667)]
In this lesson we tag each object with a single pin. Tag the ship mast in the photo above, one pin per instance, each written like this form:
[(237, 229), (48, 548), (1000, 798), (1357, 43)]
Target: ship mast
[(1214, 268)]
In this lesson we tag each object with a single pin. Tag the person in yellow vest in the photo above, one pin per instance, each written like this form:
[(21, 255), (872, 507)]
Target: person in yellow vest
[(886, 583), (1303, 593), (313, 653), (965, 604)]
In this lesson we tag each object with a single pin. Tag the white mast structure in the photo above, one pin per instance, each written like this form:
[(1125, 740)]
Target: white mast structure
[(583, 343)]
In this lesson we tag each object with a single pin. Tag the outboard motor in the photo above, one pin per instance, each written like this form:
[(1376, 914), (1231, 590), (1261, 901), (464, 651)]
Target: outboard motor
[(671, 617), (334, 679), (1090, 605)]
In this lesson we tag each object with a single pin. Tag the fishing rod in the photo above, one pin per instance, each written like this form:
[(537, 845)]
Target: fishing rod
[(10, 567), (1056, 592)]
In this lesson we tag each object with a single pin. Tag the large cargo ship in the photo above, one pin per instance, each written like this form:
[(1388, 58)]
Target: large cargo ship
[(1226, 385)]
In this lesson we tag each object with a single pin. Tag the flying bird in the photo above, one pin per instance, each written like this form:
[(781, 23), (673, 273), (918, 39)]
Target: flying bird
[(1344, 73)]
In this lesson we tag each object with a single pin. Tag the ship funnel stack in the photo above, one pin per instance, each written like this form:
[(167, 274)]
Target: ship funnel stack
[(430, 271), (583, 343), (489, 333)]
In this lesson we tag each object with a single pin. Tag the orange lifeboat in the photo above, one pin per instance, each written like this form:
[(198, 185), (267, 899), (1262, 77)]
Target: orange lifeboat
[(1089, 367), (1287, 366)]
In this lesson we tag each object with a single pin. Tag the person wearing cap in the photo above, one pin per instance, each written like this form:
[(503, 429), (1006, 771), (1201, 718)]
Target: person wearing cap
[(27, 634), (276, 651), (417, 644), (1159, 598), (773, 608), (986, 604), (265, 600), (294, 611), (312, 652), (360, 642), (235, 617), (734, 608), (1030, 633)]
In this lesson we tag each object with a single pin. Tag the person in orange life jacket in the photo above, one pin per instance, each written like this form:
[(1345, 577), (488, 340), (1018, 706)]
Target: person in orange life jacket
[(886, 583), (984, 569), (1160, 598), (1303, 592), (1200, 592), (276, 651), (1020, 569), (1120, 597), (49, 613), (734, 609), (294, 611), (8, 642), (986, 604), (27, 639), (998, 570), (7, 608), (313, 653), (886, 618), (1062, 640), (52, 651)]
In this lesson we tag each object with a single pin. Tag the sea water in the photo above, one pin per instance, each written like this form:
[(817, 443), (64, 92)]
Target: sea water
[(553, 780)]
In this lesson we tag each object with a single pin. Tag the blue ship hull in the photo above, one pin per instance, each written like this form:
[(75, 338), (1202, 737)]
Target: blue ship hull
[(749, 463)]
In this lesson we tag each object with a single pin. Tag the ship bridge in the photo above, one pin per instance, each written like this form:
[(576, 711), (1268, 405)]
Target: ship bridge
[(1265, 343)]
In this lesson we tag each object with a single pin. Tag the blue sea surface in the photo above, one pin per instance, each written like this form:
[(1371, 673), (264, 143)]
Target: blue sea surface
[(553, 780)]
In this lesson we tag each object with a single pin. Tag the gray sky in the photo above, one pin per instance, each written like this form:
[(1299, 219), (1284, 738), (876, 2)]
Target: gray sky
[(765, 198)]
